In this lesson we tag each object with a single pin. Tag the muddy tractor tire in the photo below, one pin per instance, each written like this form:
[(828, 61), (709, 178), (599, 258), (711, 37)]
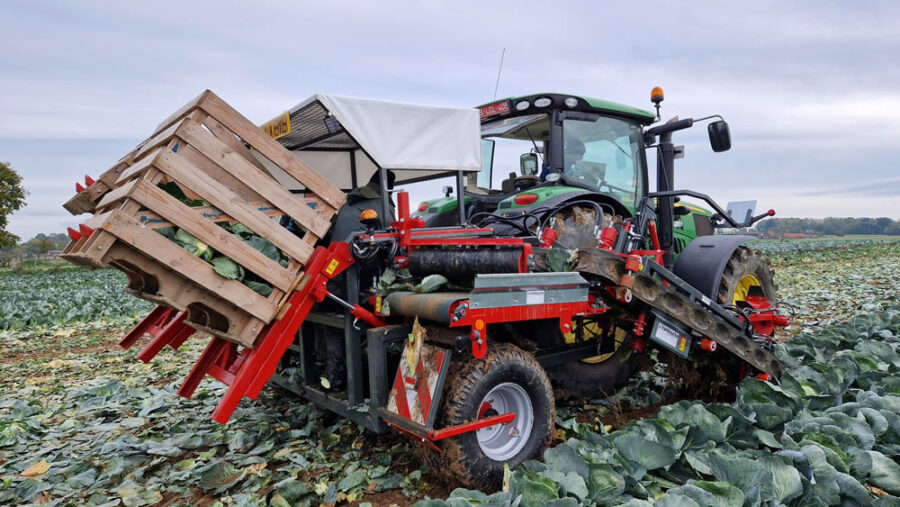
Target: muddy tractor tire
[(583, 379), (507, 379), (746, 273)]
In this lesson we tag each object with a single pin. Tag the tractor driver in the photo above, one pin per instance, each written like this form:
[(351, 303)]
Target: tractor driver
[(573, 153), (573, 162)]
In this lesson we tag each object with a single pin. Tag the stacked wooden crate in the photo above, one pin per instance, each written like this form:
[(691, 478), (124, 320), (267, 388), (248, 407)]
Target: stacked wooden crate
[(205, 149)]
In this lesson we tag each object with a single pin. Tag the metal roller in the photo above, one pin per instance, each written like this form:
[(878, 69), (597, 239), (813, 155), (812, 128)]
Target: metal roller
[(464, 263), (434, 306)]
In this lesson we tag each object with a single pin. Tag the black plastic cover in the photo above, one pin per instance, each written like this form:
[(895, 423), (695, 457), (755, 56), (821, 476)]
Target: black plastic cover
[(703, 261)]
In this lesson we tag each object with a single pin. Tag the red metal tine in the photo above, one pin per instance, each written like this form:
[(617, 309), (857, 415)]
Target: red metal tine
[(171, 329), (198, 372), (183, 335), (150, 319)]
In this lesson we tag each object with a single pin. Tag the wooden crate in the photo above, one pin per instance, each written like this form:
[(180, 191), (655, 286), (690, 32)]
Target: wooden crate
[(203, 149)]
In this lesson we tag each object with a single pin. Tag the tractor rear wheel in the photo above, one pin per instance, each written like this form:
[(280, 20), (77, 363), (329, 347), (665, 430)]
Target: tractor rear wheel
[(507, 379), (746, 272), (598, 376)]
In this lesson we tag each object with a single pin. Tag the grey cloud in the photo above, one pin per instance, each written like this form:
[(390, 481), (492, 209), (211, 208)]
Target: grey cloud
[(809, 89), (886, 188)]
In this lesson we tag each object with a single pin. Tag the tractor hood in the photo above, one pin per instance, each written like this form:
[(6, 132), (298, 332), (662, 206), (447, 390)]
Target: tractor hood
[(347, 139)]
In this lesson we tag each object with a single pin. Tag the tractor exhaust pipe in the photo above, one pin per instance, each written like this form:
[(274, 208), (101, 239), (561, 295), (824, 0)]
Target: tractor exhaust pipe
[(665, 176)]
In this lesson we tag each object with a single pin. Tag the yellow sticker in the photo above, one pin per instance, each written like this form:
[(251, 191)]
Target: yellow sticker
[(332, 266), (682, 344), (278, 127), (377, 304)]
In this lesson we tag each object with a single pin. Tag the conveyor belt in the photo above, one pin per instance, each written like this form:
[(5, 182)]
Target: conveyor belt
[(677, 305)]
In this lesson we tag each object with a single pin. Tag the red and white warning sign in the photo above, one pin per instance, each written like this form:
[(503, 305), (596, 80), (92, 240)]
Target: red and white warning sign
[(416, 378)]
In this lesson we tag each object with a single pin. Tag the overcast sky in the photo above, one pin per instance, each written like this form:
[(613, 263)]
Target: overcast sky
[(810, 90)]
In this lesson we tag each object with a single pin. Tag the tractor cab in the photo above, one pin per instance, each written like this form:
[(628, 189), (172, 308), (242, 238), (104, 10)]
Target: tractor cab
[(553, 147)]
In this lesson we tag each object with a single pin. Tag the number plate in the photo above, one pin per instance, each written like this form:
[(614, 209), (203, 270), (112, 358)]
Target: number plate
[(495, 108)]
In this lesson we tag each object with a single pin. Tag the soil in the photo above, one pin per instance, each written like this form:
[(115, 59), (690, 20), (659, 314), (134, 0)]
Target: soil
[(619, 418), (109, 339), (436, 489)]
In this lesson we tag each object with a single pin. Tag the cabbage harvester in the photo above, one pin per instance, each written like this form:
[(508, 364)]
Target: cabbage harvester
[(557, 280)]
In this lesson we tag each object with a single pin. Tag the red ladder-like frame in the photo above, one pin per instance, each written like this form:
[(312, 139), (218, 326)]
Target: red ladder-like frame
[(246, 371)]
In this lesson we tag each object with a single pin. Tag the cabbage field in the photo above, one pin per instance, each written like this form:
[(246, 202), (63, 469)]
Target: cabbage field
[(83, 422)]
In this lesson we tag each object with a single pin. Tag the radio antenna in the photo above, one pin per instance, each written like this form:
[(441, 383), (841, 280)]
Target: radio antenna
[(499, 70)]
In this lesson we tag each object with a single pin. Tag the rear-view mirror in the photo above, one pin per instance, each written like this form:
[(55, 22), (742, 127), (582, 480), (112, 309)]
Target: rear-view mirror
[(719, 136), (528, 164)]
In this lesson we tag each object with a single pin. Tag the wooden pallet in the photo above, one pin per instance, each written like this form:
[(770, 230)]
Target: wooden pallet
[(203, 149)]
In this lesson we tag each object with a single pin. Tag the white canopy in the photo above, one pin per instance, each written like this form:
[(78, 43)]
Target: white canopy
[(347, 139)]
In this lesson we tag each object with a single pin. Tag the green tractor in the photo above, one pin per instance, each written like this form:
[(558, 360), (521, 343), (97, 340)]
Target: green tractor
[(572, 148), (581, 158)]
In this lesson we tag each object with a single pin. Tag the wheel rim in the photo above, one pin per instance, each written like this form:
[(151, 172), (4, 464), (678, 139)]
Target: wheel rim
[(596, 331), (502, 442), (743, 287)]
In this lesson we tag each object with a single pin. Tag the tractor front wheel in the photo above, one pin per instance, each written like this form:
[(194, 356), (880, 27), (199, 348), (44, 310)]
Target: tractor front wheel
[(507, 379)]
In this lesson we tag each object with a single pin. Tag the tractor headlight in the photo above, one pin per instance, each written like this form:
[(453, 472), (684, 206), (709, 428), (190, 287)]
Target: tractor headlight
[(571, 102), (542, 102), (522, 105)]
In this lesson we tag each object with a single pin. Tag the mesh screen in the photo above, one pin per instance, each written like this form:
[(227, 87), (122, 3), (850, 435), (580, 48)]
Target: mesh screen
[(308, 124)]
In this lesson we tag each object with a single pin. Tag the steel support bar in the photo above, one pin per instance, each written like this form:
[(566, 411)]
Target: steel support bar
[(352, 342), (475, 425), (342, 408), (379, 380), (568, 355)]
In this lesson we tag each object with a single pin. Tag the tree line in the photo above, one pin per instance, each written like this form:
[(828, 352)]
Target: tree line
[(833, 226)]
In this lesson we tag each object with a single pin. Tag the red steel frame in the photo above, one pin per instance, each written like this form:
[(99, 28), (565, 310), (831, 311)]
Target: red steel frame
[(246, 370)]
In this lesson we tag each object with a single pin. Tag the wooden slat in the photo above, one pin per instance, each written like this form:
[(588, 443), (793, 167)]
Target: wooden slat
[(207, 231), (162, 137), (183, 110), (97, 221), (80, 203), (119, 193), (155, 221), (272, 150), (140, 166), (112, 174), (228, 137), (294, 267), (243, 189), (243, 170), (129, 230), (223, 198)]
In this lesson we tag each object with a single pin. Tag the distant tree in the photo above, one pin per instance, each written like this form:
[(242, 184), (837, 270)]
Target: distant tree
[(38, 246), (835, 226), (12, 199)]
